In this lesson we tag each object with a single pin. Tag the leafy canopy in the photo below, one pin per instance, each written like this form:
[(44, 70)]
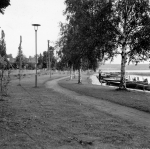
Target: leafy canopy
[(3, 5)]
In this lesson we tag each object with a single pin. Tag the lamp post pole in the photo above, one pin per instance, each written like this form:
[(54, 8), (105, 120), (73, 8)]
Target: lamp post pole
[(49, 60), (36, 58), (20, 63), (36, 28)]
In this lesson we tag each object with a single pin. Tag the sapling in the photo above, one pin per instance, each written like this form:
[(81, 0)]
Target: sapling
[(4, 76)]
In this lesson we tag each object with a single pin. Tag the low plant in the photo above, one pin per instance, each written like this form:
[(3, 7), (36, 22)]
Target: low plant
[(4, 76)]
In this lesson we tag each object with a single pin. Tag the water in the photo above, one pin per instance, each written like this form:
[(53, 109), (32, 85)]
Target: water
[(139, 72), (138, 78), (128, 67)]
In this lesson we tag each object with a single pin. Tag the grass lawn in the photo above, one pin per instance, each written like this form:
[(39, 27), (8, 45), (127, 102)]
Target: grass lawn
[(40, 118), (134, 99)]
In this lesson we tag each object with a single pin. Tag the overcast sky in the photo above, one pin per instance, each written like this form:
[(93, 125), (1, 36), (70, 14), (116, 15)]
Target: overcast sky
[(20, 16)]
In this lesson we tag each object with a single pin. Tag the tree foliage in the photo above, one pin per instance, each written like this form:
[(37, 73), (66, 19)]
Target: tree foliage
[(20, 59), (2, 44), (4, 76), (131, 20), (43, 59), (101, 29), (3, 5), (3, 49), (83, 37), (40, 61)]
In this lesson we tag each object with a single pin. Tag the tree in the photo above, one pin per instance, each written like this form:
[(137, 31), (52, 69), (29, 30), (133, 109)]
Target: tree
[(4, 76), (3, 49), (20, 59), (103, 29), (52, 57), (45, 59), (2, 44), (40, 61), (81, 37), (131, 22), (4, 79), (3, 5)]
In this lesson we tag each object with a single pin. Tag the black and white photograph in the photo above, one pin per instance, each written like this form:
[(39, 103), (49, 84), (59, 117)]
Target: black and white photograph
[(74, 74)]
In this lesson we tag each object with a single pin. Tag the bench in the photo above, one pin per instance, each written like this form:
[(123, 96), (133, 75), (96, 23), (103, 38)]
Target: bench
[(138, 85)]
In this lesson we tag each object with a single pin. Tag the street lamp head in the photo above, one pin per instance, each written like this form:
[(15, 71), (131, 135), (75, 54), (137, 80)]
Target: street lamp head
[(36, 26)]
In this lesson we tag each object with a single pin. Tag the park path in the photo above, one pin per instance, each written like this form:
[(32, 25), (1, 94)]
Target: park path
[(133, 115)]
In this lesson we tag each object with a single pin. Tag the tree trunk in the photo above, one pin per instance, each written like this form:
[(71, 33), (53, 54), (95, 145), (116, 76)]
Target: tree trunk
[(71, 71), (79, 75), (1, 82), (74, 74), (122, 85)]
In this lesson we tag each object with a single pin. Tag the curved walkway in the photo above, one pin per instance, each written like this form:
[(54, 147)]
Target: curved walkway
[(133, 115)]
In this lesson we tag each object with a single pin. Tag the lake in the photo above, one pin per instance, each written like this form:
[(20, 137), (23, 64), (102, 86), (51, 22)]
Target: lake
[(139, 72)]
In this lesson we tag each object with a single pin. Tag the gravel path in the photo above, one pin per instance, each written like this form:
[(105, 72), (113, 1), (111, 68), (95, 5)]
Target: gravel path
[(133, 115)]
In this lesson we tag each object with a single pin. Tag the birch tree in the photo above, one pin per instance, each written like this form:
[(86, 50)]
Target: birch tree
[(131, 20), (103, 29)]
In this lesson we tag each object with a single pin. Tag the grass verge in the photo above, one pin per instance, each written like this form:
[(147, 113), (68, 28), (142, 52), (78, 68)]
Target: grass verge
[(133, 99), (39, 118)]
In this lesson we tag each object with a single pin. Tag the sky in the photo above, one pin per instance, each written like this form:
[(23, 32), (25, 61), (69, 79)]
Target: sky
[(18, 19)]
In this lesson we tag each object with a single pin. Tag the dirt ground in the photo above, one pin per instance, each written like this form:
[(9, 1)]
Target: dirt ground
[(43, 118)]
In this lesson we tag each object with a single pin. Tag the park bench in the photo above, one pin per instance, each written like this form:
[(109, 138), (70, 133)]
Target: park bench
[(111, 81), (141, 84)]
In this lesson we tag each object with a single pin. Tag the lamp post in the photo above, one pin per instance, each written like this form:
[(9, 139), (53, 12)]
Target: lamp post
[(36, 28), (50, 59), (20, 61)]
